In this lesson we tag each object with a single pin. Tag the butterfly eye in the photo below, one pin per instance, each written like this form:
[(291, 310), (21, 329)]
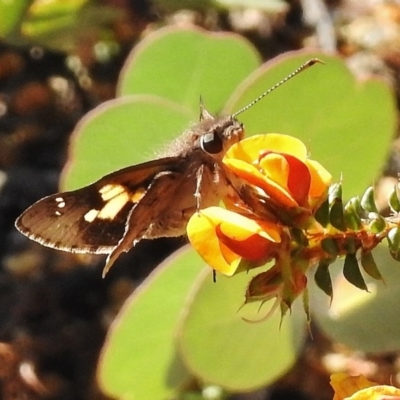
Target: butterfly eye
[(211, 143)]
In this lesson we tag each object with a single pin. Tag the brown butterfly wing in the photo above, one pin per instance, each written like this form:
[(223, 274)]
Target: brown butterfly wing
[(91, 219)]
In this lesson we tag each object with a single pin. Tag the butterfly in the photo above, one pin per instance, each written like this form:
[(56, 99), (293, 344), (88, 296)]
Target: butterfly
[(145, 201)]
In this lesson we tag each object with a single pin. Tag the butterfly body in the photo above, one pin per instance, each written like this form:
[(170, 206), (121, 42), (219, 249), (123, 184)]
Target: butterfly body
[(150, 200)]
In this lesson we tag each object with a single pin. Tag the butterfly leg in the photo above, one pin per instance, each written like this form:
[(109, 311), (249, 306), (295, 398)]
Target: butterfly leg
[(197, 193)]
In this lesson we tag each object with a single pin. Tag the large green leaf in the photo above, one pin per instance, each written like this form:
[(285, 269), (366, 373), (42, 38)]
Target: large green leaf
[(120, 133), (347, 124), (139, 359), (184, 64), (127, 130), (219, 347)]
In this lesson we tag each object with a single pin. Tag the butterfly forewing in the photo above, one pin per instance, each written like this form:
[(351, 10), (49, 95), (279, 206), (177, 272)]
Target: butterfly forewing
[(91, 219)]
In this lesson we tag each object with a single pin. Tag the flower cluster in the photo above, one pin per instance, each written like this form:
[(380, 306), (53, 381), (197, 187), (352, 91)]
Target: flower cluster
[(287, 214)]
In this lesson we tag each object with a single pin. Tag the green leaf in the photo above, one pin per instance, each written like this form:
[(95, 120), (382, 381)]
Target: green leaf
[(364, 321), (369, 265), (352, 273), (46, 17), (139, 359), (322, 214), (219, 347), (336, 215), (11, 14), (346, 124), (183, 64), (51, 8), (120, 133), (60, 25), (323, 280)]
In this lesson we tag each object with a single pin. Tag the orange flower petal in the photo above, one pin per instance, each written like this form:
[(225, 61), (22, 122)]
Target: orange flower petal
[(246, 171), (290, 173), (275, 167), (251, 174), (201, 233), (239, 227), (206, 228), (299, 180), (279, 166), (253, 248), (229, 256), (320, 179)]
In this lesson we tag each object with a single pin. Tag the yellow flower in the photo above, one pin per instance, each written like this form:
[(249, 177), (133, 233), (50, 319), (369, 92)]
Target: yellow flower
[(279, 167), (223, 238), (360, 388), (282, 188)]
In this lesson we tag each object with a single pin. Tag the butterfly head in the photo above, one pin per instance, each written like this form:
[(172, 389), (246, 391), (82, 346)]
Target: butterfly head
[(215, 135), (217, 138)]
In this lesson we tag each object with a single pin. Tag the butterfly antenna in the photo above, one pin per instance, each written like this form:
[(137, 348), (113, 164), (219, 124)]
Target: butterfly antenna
[(302, 67), (202, 108)]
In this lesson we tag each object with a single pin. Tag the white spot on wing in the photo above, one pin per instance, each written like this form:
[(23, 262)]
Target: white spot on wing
[(110, 191), (60, 201), (114, 206), (91, 215)]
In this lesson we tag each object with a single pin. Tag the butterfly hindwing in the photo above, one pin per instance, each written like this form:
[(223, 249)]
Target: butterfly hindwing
[(92, 219)]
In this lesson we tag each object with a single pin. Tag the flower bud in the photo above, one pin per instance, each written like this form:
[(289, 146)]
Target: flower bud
[(330, 246), (352, 214), (335, 192), (368, 200), (394, 201), (299, 237), (377, 223), (393, 238), (349, 245)]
